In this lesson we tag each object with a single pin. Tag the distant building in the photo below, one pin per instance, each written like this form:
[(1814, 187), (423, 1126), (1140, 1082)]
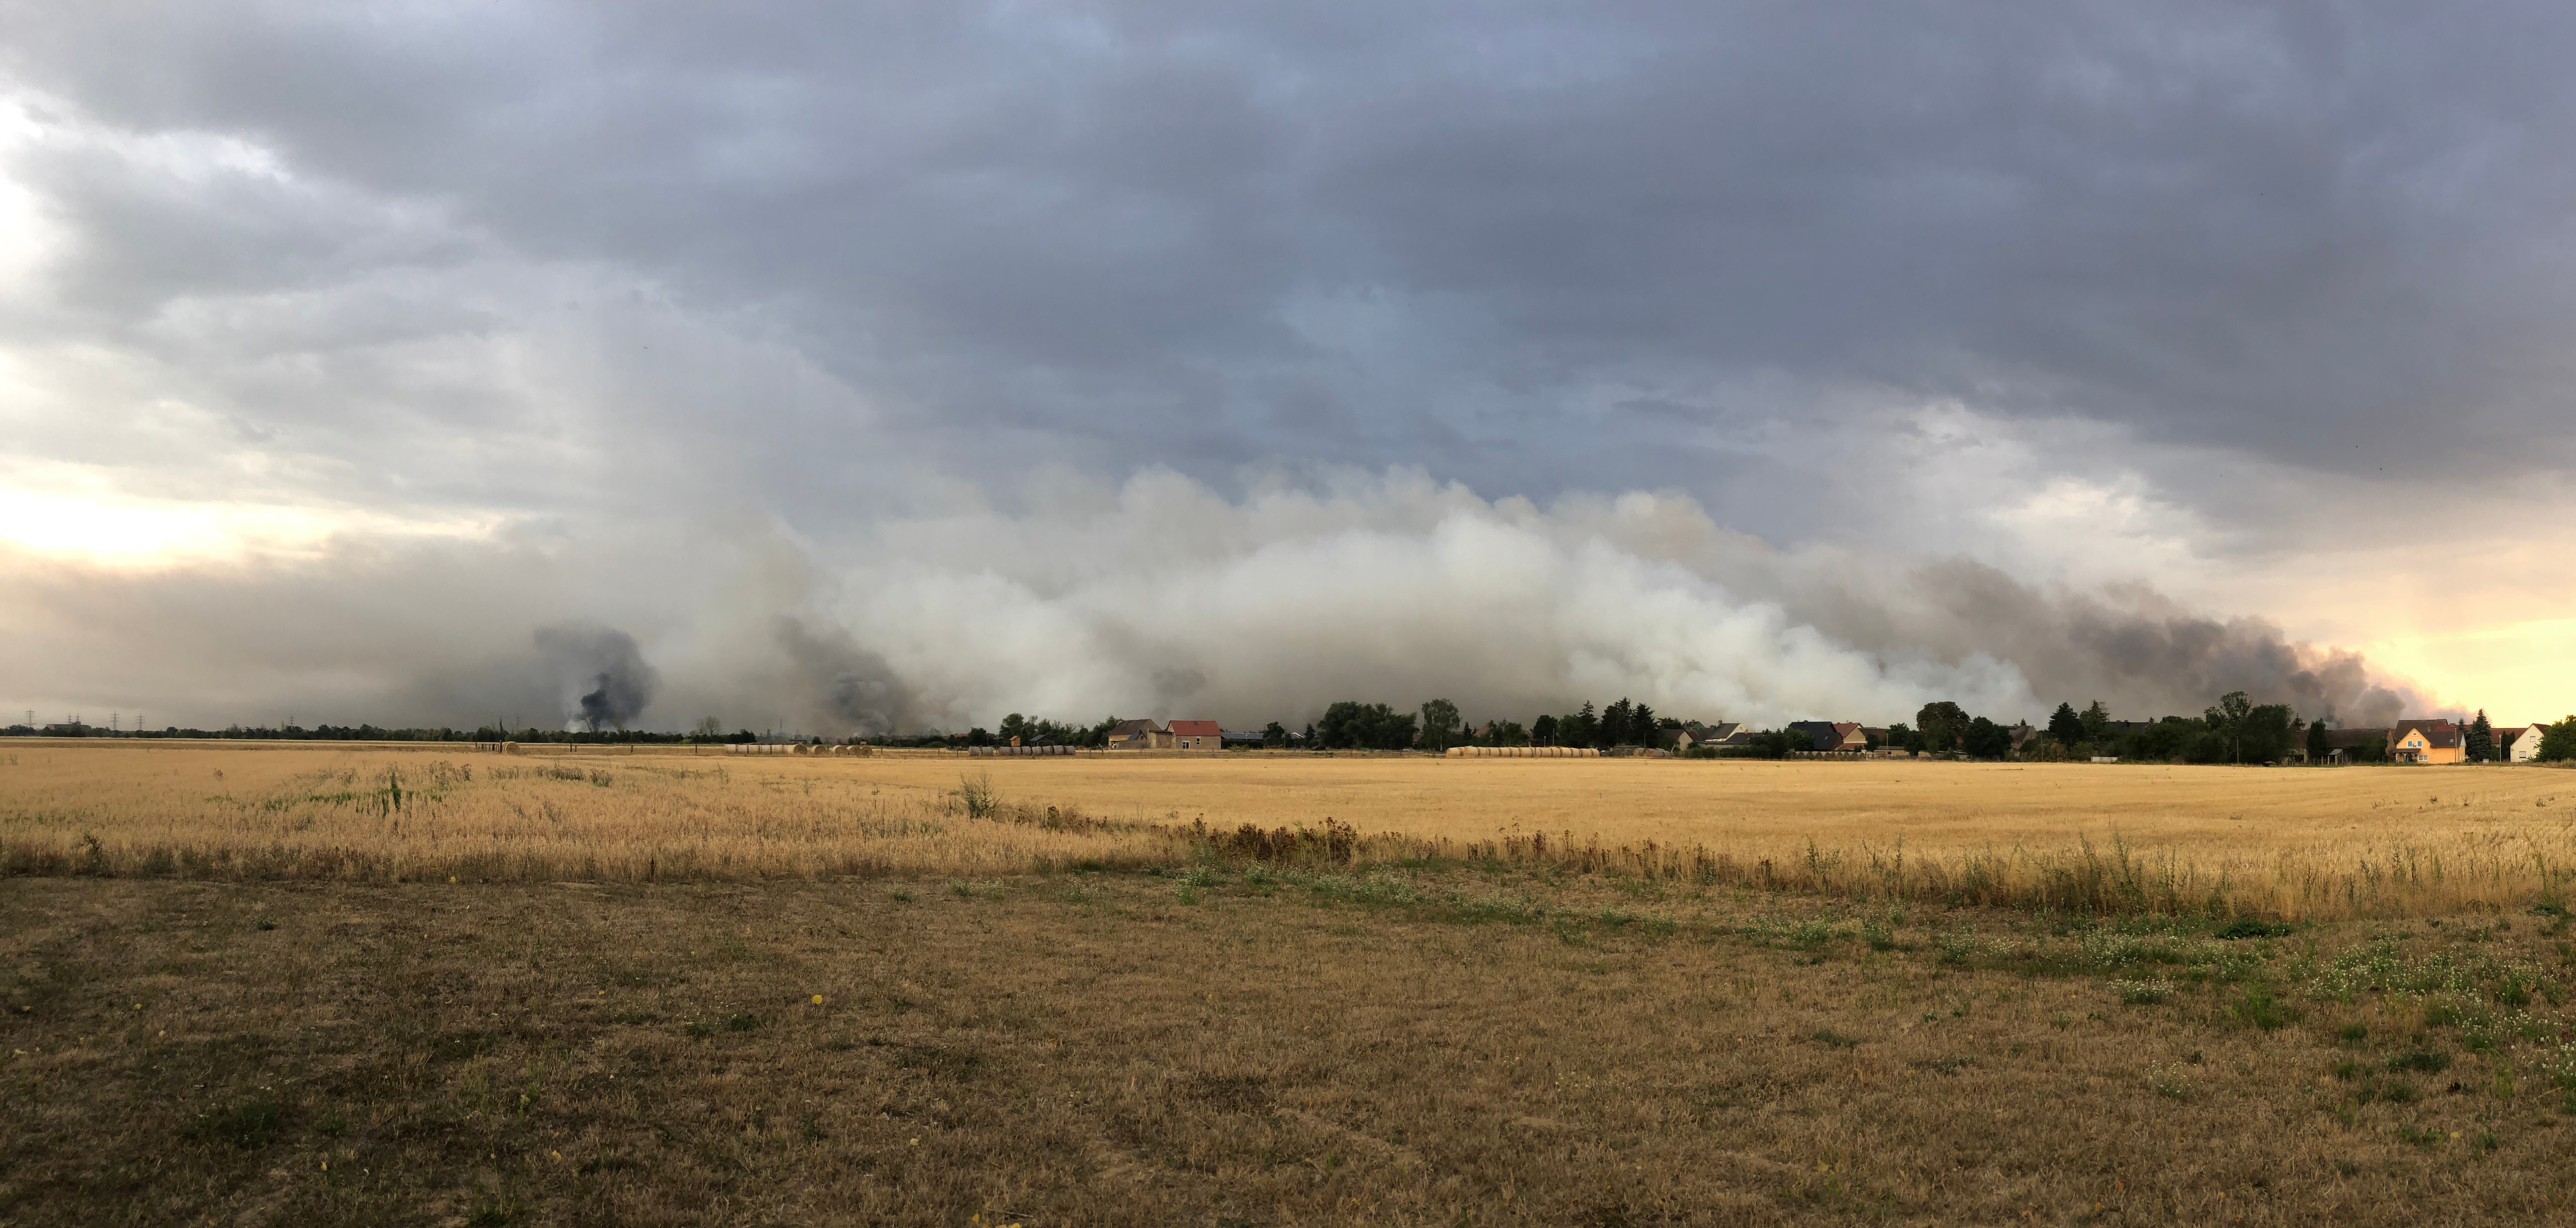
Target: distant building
[(2432, 740), (1195, 735), (2340, 743), (1138, 735), (1715, 733), (1831, 735), (2520, 744)]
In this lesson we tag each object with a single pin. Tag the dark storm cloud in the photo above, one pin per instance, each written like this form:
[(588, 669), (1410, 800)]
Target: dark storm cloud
[(1177, 233)]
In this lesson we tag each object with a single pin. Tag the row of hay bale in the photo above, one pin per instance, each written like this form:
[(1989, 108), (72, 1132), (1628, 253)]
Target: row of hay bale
[(1523, 752), (796, 748)]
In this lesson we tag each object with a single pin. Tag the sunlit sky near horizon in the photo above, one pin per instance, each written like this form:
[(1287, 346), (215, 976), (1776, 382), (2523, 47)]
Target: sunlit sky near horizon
[(890, 366)]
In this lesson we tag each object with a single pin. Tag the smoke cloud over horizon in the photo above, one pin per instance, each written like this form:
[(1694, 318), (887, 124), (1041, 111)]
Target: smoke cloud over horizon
[(1162, 598), (620, 683), (1170, 601)]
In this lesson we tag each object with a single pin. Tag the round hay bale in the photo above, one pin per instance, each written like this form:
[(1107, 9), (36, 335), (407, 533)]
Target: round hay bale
[(509, 748)]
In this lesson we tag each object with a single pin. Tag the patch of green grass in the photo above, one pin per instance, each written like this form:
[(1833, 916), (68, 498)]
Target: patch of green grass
[(2428, 1061), (1832, 1039), (2425, 1137), (2248, 927), (743, 1023), (900, 896), (2257, 1006), (2353, 1033), (332, 1125), (248, 1125)]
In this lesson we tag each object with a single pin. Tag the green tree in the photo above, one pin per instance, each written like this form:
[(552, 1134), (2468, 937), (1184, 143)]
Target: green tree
[(1439, 725), (1351, 725), (1942, 723), (1347, 725), (1544, 730), (1274, 735), (2097, 723), (2227, 720), (2067, 727), (1772, 744), (2558, 742), (2319, 746), (1581, 729), (2479, 745), (2268, 733), (1984, 739), (1614, 729)]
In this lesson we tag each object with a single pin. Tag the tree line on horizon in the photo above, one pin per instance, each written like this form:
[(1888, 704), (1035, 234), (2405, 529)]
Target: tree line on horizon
[(2233, 730)]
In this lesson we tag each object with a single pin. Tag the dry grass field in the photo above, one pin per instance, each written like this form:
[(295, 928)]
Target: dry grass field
[(666, 989), (2279, 843)]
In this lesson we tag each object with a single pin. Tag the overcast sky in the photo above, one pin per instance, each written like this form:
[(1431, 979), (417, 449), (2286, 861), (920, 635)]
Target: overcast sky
[(916, 364)]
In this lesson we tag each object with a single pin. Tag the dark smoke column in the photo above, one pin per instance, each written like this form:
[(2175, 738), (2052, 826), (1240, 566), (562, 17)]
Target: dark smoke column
[(605, 660)]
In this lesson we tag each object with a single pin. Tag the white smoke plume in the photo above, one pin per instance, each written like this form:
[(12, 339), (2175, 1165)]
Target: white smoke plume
[(1156, 598)]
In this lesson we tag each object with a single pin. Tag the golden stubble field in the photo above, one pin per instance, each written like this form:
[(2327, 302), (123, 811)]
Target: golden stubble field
[(370, 985), (2287, 843)]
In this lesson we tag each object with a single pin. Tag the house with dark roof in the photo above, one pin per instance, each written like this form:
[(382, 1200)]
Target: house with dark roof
[(2431, 740), (1195, 735), (1832, 735), (1713, 733), (1138, 735)]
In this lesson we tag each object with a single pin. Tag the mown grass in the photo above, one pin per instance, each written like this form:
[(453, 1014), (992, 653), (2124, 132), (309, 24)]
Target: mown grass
[(1423, 1044)]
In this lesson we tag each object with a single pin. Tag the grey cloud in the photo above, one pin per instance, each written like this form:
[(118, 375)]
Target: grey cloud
[(2272, 227)]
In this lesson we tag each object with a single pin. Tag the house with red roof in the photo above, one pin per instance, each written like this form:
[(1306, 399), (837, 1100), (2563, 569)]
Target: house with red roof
[(1196, 735)]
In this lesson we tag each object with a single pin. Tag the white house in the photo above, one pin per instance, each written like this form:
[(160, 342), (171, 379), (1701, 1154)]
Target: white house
[(2525, 745)]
